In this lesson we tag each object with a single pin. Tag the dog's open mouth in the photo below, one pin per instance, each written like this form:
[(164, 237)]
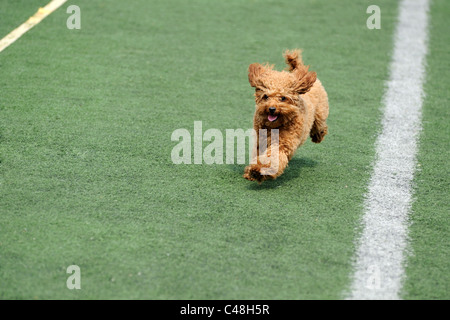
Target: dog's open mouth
[(272, 118)]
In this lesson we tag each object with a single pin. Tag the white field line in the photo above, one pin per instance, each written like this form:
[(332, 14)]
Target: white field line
[(380, 257), (30, 23)]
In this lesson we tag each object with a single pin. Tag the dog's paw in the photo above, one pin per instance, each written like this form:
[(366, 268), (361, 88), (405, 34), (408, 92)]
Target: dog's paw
[(317, 137), (253, 173)]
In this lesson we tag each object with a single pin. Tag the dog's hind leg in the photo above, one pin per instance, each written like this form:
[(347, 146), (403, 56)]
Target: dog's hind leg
[(318, 130)]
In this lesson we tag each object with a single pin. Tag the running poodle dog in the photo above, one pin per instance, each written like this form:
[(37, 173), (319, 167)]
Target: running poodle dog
[(295, 103)]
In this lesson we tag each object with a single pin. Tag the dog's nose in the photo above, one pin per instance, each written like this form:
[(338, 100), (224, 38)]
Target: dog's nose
[(272, 110)]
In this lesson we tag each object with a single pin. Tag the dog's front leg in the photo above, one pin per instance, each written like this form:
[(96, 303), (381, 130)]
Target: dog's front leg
[(269, 165)]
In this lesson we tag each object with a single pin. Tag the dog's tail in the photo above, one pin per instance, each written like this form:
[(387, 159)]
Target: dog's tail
[(305, 78), (293, 59)]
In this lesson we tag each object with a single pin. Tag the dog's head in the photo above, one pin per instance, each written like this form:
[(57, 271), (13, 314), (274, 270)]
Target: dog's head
[(278, 93)]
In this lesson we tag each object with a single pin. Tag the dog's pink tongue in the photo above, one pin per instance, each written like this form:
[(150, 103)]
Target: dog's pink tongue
[(272, 118)]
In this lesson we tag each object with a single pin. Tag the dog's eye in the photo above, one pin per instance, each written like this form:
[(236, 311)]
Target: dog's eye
[(265, 97), (283, 99)]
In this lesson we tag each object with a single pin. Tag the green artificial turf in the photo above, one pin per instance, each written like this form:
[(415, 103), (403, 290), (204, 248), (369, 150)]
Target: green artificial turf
[(86, 118), (428, 266)]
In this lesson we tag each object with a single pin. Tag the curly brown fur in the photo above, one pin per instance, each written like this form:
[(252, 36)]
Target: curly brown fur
[(301, 110)]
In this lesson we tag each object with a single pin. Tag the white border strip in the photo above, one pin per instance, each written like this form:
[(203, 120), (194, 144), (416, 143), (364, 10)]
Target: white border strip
[(40, 15), (379, 267)]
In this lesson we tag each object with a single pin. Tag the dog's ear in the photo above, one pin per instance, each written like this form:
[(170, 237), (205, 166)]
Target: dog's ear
[(293, 58), (254, 72), (304, 79)]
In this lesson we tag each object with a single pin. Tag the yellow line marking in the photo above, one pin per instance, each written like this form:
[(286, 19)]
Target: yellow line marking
[(40, 15)]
